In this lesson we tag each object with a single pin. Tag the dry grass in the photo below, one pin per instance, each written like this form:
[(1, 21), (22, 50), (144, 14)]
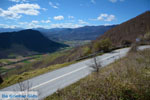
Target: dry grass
[(125, 79), (30, 74)]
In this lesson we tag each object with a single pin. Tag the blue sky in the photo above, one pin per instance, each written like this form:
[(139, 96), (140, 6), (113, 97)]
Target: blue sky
[(68, 13)]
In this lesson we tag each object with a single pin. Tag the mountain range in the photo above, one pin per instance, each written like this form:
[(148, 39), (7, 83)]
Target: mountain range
[(71, 34), (42, 40), (127, 31), (10, 29), (26, 42)]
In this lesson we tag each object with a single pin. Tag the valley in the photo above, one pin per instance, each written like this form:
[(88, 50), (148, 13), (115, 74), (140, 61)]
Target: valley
[(75, 50)]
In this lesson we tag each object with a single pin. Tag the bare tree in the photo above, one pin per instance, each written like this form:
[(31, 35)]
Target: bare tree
[(134, 47), (24, 86), (96, 65)]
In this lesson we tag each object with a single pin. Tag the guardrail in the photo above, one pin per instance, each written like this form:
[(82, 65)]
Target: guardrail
[(94, 54)]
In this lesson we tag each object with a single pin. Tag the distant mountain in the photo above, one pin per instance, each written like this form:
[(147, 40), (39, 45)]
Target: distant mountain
[(10, 29), (129, 30), (43, 30), (69, 34), (26, 42)]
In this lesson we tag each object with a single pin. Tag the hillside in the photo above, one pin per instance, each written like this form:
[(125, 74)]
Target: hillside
[(70, 34), (26, 42), (105, 45), (125, 79), (113, 38), (129, 30)]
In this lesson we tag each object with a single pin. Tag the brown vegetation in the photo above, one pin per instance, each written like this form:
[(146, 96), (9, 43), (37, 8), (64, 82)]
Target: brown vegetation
[(96, 65), (128, 31), (126, 79)]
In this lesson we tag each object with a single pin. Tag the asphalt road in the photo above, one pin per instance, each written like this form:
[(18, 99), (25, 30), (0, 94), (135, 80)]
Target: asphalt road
[(50, 82)]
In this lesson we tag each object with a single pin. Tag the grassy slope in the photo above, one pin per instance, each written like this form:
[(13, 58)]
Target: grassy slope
[(125, 79), (27, 75), (40, 66)]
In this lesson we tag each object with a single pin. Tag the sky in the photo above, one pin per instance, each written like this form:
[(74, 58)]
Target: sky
[(68, 13)]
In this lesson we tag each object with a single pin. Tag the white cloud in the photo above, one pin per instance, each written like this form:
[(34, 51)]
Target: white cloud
[(92, 19), (82, 22), (18, 0), (29, 25), (106, 17), (9, 26), (54, 5), (28, 9), (44, 9), (65, 25), (59, 17), (110, 18), (114, 1), (17, 10), (9, 14), (102, 16), (106, 24), (34, 22), (93, 1), (14, 0), (23, 23), (45, 21), (71, 17)]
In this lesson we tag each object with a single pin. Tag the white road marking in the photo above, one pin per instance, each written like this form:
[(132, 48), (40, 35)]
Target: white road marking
[(67, 74), (58, 77)]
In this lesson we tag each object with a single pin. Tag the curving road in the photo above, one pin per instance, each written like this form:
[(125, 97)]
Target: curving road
[(47, 84)]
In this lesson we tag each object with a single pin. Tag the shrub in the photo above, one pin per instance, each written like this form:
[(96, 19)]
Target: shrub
[(87, 50), (103, 45)]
